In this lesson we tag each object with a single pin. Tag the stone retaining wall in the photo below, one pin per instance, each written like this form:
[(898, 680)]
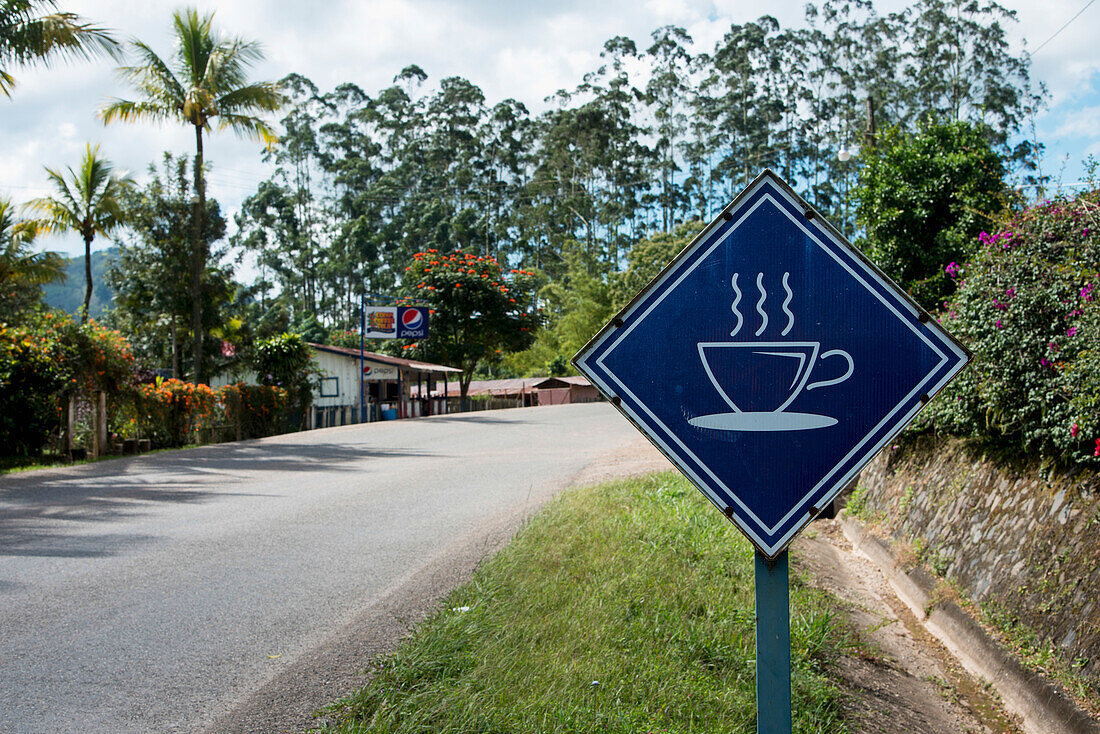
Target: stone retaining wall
[(1014, 538)]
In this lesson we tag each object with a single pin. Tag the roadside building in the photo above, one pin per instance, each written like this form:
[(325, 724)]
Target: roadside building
[(390, 387), (519, 392), (563, 390)]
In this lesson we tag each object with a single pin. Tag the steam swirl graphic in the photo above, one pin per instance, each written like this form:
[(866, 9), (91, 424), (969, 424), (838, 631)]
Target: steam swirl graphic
[(787, 302), (760, 304), (736, 300)]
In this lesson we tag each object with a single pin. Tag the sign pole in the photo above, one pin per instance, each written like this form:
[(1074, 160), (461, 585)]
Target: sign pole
[(773, 645), (362, 337)]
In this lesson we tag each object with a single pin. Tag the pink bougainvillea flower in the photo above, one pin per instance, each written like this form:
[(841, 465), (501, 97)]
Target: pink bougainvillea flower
[(1073, 431)]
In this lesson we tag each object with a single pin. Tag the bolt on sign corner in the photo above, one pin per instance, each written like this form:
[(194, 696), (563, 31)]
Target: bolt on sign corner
[(769, 361)]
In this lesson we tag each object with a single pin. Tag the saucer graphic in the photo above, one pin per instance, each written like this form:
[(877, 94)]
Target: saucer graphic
[(758, 380)]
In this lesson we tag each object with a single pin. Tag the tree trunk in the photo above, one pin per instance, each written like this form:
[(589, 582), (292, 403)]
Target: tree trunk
[(175, 348), (198, 262), (87, 279)]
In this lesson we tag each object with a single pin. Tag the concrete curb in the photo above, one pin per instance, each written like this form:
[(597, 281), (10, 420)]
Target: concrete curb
[(1040, 706)]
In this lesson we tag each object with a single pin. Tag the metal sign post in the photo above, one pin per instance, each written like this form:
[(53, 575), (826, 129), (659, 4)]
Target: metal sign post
[(773, 645), (770, 361)]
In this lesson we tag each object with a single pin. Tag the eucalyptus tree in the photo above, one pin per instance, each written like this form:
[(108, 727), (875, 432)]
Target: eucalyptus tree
[(35, 31), (960, 66), (508, 139), (668, 94), (86, 201), (745, 110), (205, 86), (285, 223)]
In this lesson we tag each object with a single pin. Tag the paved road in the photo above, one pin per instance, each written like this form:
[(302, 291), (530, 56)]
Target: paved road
[(161, 593)]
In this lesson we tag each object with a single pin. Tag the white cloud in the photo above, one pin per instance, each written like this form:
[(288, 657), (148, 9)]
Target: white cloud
[(510, 49)]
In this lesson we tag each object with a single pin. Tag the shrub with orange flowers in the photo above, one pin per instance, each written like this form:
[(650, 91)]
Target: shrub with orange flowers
[(172, 413), (479, 309), (43, 362), (255, 411)]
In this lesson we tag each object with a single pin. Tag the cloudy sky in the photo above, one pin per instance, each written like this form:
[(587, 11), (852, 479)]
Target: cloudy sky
[(510, 48)]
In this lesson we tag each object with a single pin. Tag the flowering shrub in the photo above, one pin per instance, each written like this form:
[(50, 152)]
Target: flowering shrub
[(45, 361), (256, 410), (171, 412), (1028, 305), (35, 375), (347, 339)]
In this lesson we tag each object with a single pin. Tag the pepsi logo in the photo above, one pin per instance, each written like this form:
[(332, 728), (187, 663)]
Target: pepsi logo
[(412, 318)]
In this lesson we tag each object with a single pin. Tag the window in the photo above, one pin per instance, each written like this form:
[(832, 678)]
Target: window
[(330, 387)]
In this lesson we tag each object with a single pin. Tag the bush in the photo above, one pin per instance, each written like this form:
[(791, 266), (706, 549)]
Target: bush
[(172, 412), (286, 361), (922, 199), (35, 374), (1027, 305), (45, 361), (255, 411)]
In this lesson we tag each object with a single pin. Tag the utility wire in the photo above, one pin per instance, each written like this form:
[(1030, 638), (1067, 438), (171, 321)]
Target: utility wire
[(1066, 25)]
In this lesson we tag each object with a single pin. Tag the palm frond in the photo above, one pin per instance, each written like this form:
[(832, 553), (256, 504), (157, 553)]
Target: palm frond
[(29, 36), (258, 96), (196, 42), (153, 77), (247, 126), (7, 82), (126, 111)]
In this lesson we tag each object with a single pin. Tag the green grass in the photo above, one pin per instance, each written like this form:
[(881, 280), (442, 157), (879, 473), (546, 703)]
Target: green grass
[(626, 607)]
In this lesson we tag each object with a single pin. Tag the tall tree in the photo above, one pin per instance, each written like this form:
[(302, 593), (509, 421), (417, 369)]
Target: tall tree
[(206, 86), (150, 275), (666, 92), (35, 31), (86, 201)]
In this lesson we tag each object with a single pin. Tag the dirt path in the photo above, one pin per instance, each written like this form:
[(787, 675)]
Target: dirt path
[(904, 681)]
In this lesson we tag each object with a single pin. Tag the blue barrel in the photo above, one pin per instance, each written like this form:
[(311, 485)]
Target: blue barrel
[(389, 414)]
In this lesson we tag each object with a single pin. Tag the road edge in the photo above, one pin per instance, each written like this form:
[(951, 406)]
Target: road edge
[(1042, 708)]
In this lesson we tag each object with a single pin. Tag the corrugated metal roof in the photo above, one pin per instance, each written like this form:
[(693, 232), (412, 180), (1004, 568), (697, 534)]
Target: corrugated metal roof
[(577, 380), (386, 359), (504, 388)]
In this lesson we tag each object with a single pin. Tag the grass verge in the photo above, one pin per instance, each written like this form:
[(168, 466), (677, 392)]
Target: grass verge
[(625, 607)]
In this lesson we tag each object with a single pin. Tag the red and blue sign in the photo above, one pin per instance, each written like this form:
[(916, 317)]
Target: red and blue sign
[(412, 322), (770, 362)]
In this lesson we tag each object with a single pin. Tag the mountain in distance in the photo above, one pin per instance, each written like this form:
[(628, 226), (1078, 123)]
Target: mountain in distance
[(68, 295)]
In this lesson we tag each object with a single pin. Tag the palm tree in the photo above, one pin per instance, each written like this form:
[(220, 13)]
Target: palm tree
[(33, 30), (23, 270), (86, 202), (17, 262), (207, 85)]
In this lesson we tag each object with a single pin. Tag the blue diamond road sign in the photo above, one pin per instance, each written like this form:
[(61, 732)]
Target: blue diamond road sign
[(770, 362)]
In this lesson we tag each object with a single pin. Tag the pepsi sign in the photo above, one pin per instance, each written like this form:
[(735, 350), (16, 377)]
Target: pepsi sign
[(769, 361), (412, 322)]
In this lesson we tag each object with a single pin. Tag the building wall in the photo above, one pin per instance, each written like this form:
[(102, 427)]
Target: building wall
[(346, 372)]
